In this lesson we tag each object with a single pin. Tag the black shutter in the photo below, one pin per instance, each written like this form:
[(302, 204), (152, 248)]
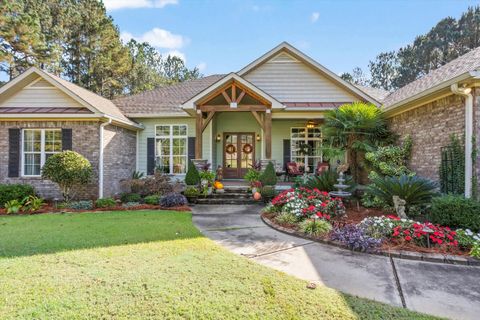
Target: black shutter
[(66, 139), (191, 148), (150, 156), (286, 152), (13, 152)]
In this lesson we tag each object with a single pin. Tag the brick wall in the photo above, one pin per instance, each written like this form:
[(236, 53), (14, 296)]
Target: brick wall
[(119, 159), (430, 127), (85, 140)]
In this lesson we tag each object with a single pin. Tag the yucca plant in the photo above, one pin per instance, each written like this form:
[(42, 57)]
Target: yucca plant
[(414, 190)]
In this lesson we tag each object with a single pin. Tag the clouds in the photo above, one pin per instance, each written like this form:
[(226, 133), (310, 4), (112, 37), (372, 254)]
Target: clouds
[(314, 17), (165, 41), (135, 4)]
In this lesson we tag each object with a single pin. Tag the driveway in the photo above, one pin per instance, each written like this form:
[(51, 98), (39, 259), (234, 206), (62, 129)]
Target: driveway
[(444, 290)]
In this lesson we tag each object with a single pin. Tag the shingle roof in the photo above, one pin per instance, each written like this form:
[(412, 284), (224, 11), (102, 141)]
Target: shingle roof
[(463, 64), (98, 102), (165, 99), (377, 93)]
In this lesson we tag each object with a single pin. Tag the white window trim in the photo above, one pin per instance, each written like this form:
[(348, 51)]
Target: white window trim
[(305, 139), (41, 152), (170, 137)]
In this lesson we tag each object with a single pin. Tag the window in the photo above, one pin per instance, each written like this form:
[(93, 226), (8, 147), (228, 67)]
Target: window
[(310, 140), (171, 148), (38, 145)]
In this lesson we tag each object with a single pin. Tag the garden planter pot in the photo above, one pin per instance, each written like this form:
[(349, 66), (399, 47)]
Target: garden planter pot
[(254, 190), (210, 191), (219, 190)]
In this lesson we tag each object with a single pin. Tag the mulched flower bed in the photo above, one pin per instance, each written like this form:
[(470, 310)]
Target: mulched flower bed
[(354, 216), (50, 208)]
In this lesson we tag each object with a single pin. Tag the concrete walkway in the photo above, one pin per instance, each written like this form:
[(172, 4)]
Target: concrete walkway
[(439, 289)]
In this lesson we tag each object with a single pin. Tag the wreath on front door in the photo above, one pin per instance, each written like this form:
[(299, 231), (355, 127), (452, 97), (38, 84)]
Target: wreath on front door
[(247, 148), (230, 149)]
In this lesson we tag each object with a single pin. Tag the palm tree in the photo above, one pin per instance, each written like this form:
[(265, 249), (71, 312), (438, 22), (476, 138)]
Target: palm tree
[(356, 128)]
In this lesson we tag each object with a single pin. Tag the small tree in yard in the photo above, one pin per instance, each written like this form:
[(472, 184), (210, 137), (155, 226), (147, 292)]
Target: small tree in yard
[(269, 176), (68, 169), (192, 177)]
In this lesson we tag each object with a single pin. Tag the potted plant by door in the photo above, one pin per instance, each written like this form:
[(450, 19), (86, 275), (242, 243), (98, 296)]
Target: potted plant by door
[(191, 193), (206, 182)]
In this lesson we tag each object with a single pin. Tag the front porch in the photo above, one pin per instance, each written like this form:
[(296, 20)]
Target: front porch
[(235, 127)]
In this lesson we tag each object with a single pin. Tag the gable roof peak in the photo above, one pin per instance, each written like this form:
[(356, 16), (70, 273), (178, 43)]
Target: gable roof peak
[(285, 46)]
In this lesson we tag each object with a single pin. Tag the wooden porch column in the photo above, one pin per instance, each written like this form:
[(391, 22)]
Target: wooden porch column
[(198, 134), (268, 134)]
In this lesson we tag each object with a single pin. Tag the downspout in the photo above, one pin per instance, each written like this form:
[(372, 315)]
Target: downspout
[(466, 92), (100, 159)]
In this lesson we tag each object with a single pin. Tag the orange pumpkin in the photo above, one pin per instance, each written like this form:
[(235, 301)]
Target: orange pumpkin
[(218, 185), (257, 196)]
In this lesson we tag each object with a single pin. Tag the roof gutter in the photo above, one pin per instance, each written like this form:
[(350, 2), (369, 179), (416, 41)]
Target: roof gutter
[(466, 93), (390, 109)]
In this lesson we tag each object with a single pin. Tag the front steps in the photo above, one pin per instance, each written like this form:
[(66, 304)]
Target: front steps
[(232, 195)]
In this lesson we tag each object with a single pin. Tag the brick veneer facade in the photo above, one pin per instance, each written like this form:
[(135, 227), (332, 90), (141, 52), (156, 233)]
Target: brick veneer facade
[(119, 155), (119, 159), (85, 140), (430, 126)]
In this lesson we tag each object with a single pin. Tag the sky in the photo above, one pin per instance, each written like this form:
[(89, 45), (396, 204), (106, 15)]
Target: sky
[(223, 36)]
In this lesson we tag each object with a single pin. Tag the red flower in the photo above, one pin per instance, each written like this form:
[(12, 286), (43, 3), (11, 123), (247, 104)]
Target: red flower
[(408, 238), (393, 217)]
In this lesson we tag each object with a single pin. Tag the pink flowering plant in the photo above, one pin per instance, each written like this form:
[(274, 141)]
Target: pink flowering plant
[(308, 203)]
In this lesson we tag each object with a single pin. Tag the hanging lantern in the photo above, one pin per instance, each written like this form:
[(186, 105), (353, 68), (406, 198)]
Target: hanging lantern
[(311, 124)]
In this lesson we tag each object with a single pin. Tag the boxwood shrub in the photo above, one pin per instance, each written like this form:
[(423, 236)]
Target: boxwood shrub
[(130, 197), (456, 212), (152, 199), (105, 203), (15, 192)]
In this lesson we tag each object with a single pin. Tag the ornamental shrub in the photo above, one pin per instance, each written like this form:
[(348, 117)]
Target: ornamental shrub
[(456, 211), (315, 227), (79, 205), (268, 177), (171, 200), (105, 203), (130, 197), (13, 206), (390, 160), (192, 178), (15, 192), (354, 237), (286, 218), (414, 190), (68, 169), (268, 193), (153, 199), (326, 180)]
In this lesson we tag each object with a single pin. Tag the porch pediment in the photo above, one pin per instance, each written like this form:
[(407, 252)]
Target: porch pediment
[(232, 93)]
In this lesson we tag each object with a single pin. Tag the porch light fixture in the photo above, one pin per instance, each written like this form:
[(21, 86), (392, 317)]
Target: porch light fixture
[(311, 124), (233, 105), (219, 137), (258, 137)]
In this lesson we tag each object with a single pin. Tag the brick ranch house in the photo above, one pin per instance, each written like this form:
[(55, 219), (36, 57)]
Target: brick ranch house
[(266, 110)]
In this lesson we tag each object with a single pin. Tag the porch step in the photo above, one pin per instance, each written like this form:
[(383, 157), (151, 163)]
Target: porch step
[(225, 201), (232, 195)]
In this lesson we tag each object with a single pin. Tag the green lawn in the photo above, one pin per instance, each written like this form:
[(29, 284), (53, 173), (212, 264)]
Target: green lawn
[(149, 265)]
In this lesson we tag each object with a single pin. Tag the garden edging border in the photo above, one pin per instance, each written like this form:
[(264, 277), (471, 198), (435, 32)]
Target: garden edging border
[(402, 254)]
